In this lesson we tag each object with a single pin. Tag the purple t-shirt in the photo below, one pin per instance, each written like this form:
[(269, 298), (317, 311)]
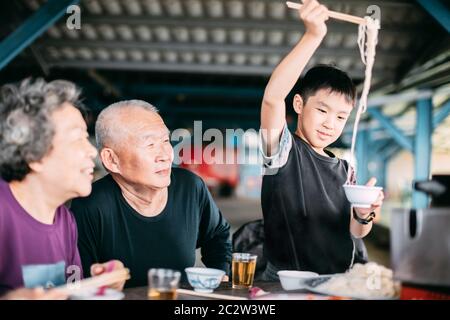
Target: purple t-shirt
[(32, 253)]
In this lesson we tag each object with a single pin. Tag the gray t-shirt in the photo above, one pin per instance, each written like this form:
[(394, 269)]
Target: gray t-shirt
[(306, 213)]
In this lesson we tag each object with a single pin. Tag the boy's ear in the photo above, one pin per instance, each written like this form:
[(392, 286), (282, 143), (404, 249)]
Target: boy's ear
[(298, 104)]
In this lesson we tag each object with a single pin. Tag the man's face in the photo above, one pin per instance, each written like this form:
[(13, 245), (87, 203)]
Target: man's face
[(69, 165), (144, 152), (323, 117)]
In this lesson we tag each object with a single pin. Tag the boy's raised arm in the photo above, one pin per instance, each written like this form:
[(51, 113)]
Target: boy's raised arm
[(286, 74)]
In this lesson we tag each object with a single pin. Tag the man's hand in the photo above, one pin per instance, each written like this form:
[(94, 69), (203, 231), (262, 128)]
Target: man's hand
[(99, 268), (314, 16), (35, 294), (364, 212)]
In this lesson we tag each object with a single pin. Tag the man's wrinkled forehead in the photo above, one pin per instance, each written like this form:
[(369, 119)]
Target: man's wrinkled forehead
[(151, 133), (140, 117), (143, 116), (139, 122), (154, 119)]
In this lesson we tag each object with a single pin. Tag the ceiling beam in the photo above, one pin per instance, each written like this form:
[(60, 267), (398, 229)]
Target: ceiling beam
[(32, 28), (189, 68), (216, 48), (438, 11), (286, 24), (192, 90)]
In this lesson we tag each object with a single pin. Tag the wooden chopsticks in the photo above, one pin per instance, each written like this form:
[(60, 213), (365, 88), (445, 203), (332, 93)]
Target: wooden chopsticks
[(105, 279), (210, 295), (333, 14)]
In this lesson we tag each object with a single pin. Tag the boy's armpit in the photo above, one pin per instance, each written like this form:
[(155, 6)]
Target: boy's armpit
[(279, 159)]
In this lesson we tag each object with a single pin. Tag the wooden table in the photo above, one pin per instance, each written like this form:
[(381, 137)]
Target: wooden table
[(140, 293)]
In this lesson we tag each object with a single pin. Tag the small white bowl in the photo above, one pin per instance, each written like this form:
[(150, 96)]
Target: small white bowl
[(294, 279), (204, 279), (361, 196)]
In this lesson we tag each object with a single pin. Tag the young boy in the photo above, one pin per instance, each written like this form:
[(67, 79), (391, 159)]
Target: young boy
[(308, 222)]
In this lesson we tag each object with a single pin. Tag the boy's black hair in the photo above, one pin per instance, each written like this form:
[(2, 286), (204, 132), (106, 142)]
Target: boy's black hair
[(324, 76)]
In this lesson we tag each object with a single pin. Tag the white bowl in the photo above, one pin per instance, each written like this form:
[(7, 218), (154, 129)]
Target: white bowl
[(361, 196), (204, 279), (293, 279)]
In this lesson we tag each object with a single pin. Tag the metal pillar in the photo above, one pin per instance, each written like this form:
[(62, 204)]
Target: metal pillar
[(396, 133), (441, 114), (381, 172), (376, 158), (422, 149), (362, 156)]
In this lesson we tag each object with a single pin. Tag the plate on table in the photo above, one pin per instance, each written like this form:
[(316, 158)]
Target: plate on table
[(352, 287), (297, 296), (93, 294)]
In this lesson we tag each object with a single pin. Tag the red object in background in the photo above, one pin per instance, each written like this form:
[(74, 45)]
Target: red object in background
[(414, 293), (220, 177)]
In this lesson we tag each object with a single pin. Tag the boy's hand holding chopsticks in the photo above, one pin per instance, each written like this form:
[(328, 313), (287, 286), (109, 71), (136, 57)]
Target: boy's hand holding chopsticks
[(314, 16)]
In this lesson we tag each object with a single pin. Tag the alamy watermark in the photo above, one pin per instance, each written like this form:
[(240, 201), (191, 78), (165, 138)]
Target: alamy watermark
[(74, 20), (374, 12), (214, 146)]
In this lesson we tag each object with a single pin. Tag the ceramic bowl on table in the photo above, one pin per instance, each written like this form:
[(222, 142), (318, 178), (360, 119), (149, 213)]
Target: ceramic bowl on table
[(295, 280), (204, 279)]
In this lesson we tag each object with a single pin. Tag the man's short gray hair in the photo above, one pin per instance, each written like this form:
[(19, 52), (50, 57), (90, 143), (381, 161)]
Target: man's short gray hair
[(104, 130), (26, 128)]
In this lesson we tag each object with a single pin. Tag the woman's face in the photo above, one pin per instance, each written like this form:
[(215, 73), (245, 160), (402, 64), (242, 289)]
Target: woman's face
[(68, 167)]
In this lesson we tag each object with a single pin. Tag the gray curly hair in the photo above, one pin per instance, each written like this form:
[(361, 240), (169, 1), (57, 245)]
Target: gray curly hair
[(26, 129)]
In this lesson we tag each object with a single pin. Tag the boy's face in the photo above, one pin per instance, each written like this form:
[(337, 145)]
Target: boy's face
[(323, 117)]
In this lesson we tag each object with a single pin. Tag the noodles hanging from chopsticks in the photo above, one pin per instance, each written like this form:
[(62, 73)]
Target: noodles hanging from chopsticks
[(367, 41)]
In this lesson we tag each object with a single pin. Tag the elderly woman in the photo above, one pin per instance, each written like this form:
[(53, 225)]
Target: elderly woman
[(46, 159)]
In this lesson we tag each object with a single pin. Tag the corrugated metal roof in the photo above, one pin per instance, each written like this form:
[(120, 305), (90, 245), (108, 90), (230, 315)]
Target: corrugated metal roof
[(230, 38), (225, 36)]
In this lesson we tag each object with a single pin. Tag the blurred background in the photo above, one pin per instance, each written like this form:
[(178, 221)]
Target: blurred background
[(210, 60)]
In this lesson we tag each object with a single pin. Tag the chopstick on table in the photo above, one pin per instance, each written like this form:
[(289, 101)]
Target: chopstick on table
[(105, 279), (333, 14), (210, 295)]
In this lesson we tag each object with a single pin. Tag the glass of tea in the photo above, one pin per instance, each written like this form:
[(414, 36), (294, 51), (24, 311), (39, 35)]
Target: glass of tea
[(163, 284), (243, 270)]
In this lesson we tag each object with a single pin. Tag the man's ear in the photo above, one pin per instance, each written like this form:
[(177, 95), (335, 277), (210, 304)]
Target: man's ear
[(110, 160), (298, 104)]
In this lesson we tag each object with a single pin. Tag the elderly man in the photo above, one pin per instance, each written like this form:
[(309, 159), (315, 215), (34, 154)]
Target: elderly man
[(144, 212), (45, 160)]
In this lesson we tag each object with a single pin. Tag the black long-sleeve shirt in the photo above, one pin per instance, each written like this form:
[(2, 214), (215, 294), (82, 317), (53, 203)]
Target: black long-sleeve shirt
[(109, 228)]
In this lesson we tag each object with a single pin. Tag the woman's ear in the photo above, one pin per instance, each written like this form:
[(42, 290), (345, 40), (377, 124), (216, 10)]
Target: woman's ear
[(298, 104), (110, 160), (36, 166)]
